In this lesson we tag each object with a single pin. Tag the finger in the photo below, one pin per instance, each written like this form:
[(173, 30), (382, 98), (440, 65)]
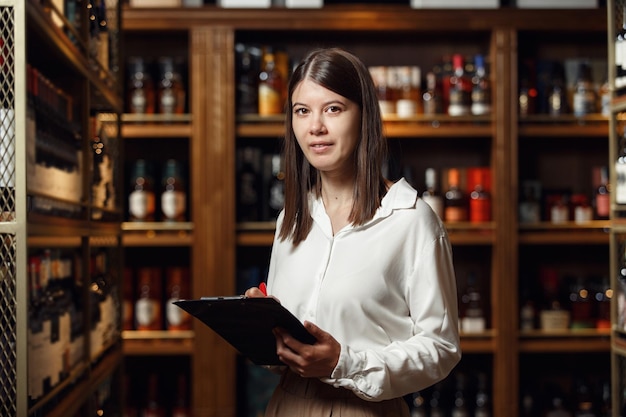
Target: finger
[(315, 331), (254, 292)]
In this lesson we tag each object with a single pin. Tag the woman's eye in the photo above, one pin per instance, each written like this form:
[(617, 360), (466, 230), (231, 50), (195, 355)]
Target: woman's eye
[(300, 111), (333, 109)]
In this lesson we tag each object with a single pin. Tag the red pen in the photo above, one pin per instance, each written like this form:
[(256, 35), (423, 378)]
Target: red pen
[(263, 288)]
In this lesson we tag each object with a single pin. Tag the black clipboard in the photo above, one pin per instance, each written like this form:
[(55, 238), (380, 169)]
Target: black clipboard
[(247, 323)]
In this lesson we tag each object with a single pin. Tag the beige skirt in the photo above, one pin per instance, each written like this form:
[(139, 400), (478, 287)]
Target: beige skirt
[(309, 397)]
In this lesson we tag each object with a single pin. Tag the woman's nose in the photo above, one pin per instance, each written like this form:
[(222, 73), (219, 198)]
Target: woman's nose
[(317, 126)]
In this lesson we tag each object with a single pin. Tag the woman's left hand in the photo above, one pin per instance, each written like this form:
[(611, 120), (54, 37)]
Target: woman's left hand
[(309, 361)]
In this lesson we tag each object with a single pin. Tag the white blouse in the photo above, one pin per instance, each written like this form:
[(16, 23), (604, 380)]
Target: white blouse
[(386, 291)]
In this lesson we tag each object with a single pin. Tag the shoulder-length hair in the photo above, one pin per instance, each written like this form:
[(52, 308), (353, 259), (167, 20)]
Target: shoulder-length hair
[(346, 75)]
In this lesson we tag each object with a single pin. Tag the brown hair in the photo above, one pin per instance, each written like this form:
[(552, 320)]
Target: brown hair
[(346, 75)]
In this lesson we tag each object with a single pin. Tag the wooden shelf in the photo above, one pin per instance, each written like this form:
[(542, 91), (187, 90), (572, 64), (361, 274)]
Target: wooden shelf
[(568, 233), (156, 126), (580, 340), (160, 343), (157, 234)]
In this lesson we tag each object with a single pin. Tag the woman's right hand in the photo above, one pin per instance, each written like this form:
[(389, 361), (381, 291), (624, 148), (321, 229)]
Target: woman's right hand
[(254, 292)]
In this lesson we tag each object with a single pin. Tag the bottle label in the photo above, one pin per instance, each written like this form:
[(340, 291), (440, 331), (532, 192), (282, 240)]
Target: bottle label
[(270, 100), (473, 324), (168, 101), (138, 102), (406, 108), (146, 312), (176, 317), (584, 103), (603, 205), (455, 214), (480, 210), (141, 204), (173, 204)]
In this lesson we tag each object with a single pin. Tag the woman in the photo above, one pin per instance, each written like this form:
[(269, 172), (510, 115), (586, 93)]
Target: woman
[(362, 261)]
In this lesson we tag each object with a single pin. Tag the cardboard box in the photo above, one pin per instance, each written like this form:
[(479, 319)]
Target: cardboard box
[(455, 4), (557, 4), (252, 4)]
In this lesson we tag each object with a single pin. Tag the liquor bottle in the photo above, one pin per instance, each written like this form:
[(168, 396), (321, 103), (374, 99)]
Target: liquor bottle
[(271, 86), (141, 200), (455, 200), (171, 91), (177, 288), (584, 98), (140, 90), (580, 304), (153, 406), (584, 400), (460, 89), (173, 193), (602, 297), (247, 70), (620, 57), (553, 315), (529, 208), (557, 96), (181, 406), (481, 88), (248, 185), (460, 409), (431, 195), (480, 198), (435, 403), (557, 409), (602, 198), (482, 408), (103, 37), (418, 405), (383, 81), (276, 197), (148, 304), (432, 96), (408, 102), (619, 188), (128, 300), (103, 179), (473, 318), (527, 320), (527, 98)]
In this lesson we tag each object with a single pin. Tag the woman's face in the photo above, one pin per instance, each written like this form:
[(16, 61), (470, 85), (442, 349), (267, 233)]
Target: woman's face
[(327, 127)]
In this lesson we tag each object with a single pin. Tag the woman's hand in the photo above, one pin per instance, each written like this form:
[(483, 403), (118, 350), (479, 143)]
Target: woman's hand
[(309, 361), (254, 292)]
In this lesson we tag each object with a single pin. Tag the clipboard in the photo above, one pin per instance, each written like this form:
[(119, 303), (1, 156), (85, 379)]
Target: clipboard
[(246, 323)]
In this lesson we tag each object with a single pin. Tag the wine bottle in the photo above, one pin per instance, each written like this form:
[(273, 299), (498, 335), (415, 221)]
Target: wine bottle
[(480, 198), (177, 288), (148, 304), (173, 193), (271, 85), (431, 195), (141, 200), (455, 200), (460, 89), (170, 91), (481, 88), (140, 96)]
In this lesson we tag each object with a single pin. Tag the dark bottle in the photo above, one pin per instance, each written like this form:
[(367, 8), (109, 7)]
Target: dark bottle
[(557, 95), (248, 186), (460, 89), (432, 95), (276, 198), (177, 288), (140, 90), (173, 193), (431, 194), (181, 406), (148, 305), (602, 198), (171, 91), (584, 99), (418, 405), (483, 405), (141, 199), (580, 297), (481, 88), (473, 318), (247, 70), (455, 200), (460, 408), (153, 406), (480, 198)]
